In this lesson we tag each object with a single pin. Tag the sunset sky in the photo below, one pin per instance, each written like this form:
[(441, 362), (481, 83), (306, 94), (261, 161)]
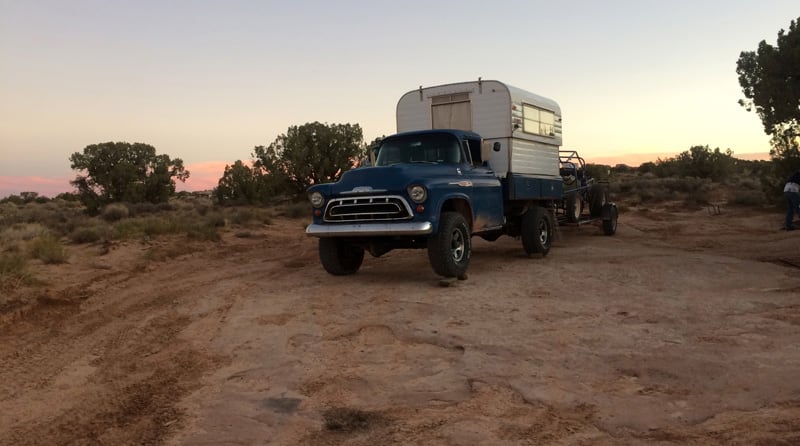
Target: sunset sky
[(206, 81)]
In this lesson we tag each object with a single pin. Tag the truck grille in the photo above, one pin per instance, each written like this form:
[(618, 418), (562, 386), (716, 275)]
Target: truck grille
[(380, 208)]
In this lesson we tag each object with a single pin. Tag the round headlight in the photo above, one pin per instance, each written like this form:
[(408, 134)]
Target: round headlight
[(417, 193), (316, 199)]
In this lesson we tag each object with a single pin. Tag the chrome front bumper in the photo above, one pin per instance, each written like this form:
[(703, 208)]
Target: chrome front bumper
[(368, 229)]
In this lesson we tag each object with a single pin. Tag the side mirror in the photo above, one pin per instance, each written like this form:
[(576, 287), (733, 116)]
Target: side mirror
[(496, 146)]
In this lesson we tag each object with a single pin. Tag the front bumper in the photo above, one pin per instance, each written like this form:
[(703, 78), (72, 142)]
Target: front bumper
[(369, 229)]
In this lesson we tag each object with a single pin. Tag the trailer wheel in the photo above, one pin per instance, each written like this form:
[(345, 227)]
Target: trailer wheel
[(450, 249), (598, 197), (338, 257), (537, 231), (610, 223), (574, 206)]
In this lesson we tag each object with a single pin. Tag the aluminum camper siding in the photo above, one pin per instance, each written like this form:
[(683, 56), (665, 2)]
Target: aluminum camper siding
[(491, 104)]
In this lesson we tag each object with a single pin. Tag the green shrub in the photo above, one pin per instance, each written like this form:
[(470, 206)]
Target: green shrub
[(48, 249), (115, 212)]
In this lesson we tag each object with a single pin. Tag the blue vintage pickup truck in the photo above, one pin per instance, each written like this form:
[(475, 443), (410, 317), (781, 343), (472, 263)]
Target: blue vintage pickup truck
[(437, 183)]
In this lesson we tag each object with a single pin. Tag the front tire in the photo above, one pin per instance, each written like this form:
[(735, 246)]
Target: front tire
[(537, 231), (450, 249), (338, 257)]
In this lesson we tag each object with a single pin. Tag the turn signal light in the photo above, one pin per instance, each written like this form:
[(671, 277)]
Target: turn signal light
[(420, 209)]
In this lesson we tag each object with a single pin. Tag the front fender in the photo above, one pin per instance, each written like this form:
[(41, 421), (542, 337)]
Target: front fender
[(440, 204)]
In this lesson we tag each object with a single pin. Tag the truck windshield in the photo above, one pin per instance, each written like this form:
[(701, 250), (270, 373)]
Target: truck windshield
[(429, 148)]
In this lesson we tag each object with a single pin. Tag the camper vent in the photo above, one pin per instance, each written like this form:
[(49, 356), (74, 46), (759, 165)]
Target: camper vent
[(450, 98), (365, 209)]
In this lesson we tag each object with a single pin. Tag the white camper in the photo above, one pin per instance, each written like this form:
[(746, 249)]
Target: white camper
[(527, 126)]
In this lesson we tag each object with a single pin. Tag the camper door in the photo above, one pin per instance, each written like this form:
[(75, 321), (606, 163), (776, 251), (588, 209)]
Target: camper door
[(451, 111)]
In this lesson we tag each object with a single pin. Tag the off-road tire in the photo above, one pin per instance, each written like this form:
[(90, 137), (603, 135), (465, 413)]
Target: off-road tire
[(574, 203), (537, 231), (610, 224), (338, 257), (450, 249), (598, 197)]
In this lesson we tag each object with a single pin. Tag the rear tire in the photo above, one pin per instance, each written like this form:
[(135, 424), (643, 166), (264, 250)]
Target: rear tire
[(338, 257), (537, 231), (450, 249), (598, 197), (610, 224)]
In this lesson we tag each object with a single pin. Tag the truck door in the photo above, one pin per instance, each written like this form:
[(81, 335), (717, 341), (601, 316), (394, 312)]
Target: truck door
[(487, 192), (451, 111)]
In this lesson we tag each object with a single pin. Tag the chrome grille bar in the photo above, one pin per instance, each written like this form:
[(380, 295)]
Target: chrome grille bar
[(368, 208)]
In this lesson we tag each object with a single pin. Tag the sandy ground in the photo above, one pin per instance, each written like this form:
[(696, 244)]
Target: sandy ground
[(684, 328)]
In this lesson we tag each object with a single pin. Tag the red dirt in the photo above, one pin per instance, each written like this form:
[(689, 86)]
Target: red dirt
[(681, 329)]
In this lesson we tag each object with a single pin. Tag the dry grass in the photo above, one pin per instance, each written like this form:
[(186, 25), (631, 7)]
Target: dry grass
[(48, 249)]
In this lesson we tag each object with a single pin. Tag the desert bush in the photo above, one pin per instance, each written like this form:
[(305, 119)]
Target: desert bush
[(164, 207), (89, 234), (48, 249), (115, 212), (22, 231), (215, 219), (205, 231), (242, 217), (744, 197), (747, 183), (184, 223), (202, 208), (14, 271), (55, 215), (141, 226), (648, 189), (137, 209)]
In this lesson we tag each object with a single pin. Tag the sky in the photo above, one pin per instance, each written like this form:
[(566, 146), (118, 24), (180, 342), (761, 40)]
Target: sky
[(206, 81)]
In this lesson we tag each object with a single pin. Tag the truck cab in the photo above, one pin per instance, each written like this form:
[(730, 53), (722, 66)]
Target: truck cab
[(419, 181)]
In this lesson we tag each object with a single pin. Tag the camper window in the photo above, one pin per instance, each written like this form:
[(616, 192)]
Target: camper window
[(538, 121)]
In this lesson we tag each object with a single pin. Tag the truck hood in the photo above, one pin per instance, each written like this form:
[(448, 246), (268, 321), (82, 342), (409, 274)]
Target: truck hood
[(390, 178)]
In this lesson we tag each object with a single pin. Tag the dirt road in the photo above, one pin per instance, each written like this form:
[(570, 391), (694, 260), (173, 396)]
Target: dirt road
[(684, 328)]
